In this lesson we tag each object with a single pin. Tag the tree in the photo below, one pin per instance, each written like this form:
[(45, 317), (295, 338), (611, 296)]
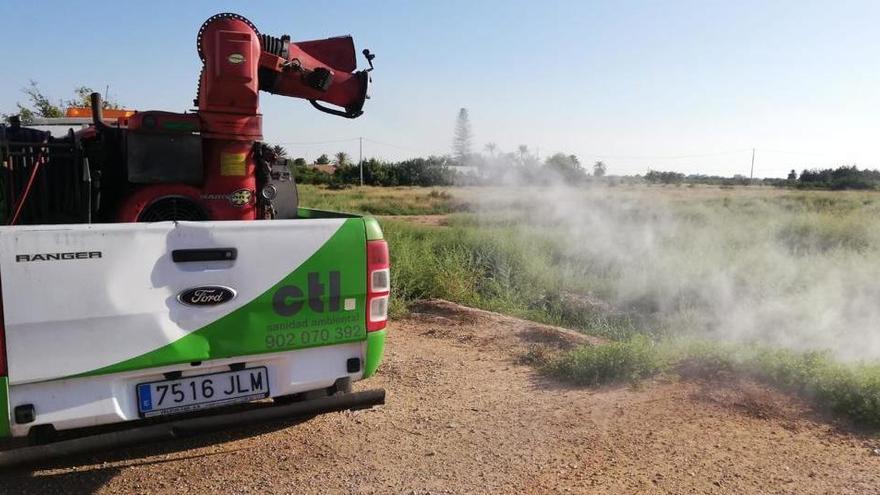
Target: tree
[(84, 99), (299, 162), (792, 176), (567, 167), (655, 176), (341, 158), (41, 106), (461, 142), (523, 151), (599, 169), (491, 148), (279, 151), (323, 159)]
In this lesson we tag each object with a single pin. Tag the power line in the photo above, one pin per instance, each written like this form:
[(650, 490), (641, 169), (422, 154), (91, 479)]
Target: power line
[(794, 153), (671, 157), (381, 143), (403, 148), (312, 143)]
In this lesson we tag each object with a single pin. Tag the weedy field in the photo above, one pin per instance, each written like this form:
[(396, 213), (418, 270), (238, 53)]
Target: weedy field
[(382, 200), (780, 285)]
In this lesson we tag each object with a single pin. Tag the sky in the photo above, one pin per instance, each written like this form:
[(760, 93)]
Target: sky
[(690, 86)]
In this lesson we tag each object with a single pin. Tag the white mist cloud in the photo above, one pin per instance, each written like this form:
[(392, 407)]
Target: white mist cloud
[(797, 270)]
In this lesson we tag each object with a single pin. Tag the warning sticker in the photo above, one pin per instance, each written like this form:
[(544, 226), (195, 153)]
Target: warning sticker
[(233, 164)]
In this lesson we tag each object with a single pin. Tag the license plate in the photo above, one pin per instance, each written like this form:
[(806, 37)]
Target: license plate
[(201, 392)]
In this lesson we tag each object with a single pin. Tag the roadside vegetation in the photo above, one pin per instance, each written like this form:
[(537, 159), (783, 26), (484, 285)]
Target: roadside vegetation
[(776, 285), (850, 390), (381, 200)]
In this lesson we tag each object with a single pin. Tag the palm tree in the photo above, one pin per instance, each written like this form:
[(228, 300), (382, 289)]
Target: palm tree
[(491, 148), (279, 151), (341, 158), (523, 152)]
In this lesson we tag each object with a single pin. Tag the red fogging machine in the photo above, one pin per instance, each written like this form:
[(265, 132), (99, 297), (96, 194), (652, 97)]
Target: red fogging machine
[(208, 164)]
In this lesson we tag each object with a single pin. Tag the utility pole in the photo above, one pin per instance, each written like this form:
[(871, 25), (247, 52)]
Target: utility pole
[(361, 158), (752, 173)]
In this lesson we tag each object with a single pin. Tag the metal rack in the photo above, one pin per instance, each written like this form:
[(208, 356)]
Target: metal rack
[(43, 180)]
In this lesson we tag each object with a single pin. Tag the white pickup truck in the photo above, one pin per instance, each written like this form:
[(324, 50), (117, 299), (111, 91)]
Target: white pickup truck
[(157, 264), (107, 323)]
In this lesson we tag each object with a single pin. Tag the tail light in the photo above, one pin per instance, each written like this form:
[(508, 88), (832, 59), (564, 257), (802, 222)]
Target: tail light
[(378, 285)]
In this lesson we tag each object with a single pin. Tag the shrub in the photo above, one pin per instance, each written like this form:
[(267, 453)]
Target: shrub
[(849, 390), (627, 361)]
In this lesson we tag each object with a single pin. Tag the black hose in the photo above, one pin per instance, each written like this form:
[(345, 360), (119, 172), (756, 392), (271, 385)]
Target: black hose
[(98, 111)]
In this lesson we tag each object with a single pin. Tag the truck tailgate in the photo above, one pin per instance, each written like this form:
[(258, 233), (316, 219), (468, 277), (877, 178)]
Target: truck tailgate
[(103, 298)]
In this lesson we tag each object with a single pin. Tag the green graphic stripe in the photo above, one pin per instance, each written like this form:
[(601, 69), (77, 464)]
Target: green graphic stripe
[(374, 232), (375, 350), (255, 328), (4, 407)]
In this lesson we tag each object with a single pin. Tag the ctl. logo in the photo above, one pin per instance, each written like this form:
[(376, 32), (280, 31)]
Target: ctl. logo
[(290, 299)]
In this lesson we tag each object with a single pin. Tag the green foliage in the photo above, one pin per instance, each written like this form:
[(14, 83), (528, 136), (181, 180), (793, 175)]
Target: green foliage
[(628, 361), (303, 174), (323, 160), (83, 98), (341, 158), (715, 180), (840, 178), (850, 390), (566, 167), (380, 201), (492, 268), (281, 152), (40, 106), (807, 234), (518, 258), (463, 138), (656, 177), (425, 172), (518, 261)]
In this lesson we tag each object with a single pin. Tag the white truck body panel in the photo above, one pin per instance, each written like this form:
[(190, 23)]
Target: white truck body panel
[(125, 304)]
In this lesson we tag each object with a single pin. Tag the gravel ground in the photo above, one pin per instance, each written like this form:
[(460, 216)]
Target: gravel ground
[(464, 415)]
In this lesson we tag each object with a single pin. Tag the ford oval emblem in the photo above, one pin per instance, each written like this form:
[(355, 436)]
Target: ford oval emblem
[(208, 295)]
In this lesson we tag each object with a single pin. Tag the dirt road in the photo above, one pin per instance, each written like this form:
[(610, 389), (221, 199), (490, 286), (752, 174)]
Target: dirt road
[(464, 415)]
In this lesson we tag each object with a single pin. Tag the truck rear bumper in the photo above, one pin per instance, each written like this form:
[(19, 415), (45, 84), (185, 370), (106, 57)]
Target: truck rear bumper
[(185, 427), (105, 399)]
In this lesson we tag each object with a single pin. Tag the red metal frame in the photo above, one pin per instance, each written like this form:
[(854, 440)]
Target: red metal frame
[(229, 118)]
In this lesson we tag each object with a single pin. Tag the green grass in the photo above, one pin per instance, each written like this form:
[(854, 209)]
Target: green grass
[(849, 390), (627, 361), (380, 200), (677, 278), (494, 269)]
